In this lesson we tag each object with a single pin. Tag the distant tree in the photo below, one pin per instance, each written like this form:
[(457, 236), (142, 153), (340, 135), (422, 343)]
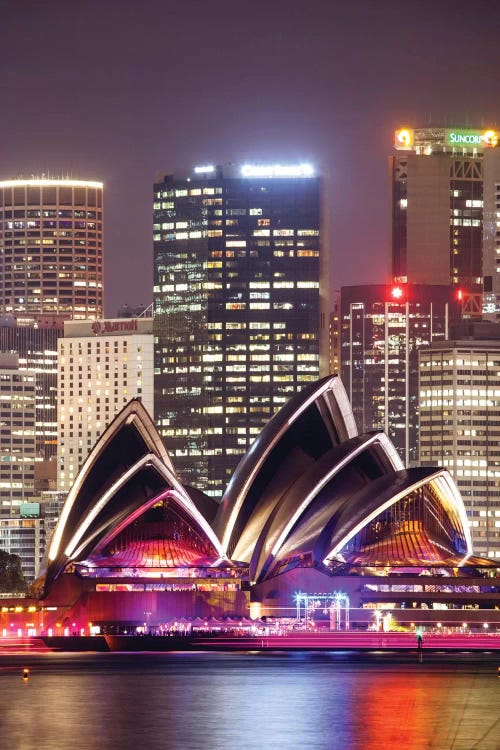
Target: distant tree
[(11, 576)]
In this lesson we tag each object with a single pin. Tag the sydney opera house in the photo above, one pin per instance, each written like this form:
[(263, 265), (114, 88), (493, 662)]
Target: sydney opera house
[(312, 507)]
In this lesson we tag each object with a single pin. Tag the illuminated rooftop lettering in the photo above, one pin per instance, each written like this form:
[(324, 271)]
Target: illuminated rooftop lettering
[(277, 170), (204, 169)]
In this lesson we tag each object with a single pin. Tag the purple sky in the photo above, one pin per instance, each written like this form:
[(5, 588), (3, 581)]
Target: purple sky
[(128, 90)]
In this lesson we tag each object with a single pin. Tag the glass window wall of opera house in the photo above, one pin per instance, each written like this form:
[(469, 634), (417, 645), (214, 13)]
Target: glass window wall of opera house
[(313, 509)]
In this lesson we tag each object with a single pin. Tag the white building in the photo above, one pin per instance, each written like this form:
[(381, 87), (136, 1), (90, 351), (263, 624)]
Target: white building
[(102, 364), (459, 407)]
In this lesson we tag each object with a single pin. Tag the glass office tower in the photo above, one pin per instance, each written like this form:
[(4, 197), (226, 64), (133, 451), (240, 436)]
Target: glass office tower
[(382, 328), (237, 308)]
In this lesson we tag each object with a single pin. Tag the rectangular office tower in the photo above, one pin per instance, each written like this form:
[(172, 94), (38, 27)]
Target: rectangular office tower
[(36, 348), (237, 308), (460, 423), (439, 179), (382, 328)]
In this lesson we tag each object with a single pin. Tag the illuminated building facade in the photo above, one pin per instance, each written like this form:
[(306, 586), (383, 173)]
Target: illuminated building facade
[(24, 536), (382, 327), (36, 347), (312, 505), (491, 234), (237, 308), (17, 435), (51, 241), (102, 364), (459, 403), (440, 177)]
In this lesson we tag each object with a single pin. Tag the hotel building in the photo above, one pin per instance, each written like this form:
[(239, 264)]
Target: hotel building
[(51, 236), (238, 325), (381, 329), (102, 364), (442, 179), (459, 422)]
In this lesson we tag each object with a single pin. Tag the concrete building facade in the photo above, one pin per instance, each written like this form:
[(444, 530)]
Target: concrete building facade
[(51, 235), (102, 364), (459, 423)]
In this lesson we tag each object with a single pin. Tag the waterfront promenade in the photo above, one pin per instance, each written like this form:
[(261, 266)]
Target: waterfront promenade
[(296, 641)]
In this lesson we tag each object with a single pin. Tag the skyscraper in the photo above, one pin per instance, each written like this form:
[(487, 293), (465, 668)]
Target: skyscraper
[(17, 435), (459, 403), (102, 365), (438, 186), (381, 329), (237, 308), (51, 237), (36, 348)]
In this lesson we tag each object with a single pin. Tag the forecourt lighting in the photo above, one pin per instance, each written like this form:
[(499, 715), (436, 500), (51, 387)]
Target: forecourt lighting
[(277, 170)]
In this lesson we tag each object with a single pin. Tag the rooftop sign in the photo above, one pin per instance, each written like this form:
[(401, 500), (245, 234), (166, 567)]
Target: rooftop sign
[(474, 138), (277, 170), (204, 169), (406, 139)]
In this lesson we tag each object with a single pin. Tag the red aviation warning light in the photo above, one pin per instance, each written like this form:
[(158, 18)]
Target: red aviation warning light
[(397, 293)]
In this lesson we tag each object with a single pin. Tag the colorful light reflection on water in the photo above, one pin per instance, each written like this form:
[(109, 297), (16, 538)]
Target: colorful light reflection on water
[(248, 701)]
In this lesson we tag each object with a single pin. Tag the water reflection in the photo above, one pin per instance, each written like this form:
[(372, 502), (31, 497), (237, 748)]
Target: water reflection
[(194, 701)]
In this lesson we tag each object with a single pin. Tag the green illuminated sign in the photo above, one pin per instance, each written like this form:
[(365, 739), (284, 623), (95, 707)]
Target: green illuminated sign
[(471, 138)]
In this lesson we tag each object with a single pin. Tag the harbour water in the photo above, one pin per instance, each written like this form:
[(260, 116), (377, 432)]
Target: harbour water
[(190, 701)]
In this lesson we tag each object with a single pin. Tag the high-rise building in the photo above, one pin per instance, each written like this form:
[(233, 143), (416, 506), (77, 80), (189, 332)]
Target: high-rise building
[(17, 435), (36, 348), (459, 404), (491, 234), (381, 329), (24, 535), (440, 178), (51, 242), (102, 365), (238, 325)]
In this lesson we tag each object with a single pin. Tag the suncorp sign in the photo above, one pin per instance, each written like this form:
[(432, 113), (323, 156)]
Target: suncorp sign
[(472, 138)]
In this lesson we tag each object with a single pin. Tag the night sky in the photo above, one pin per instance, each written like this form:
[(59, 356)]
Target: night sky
[(128, 90)]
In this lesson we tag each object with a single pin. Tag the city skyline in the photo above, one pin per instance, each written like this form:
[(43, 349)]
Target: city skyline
[(111, 93)]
